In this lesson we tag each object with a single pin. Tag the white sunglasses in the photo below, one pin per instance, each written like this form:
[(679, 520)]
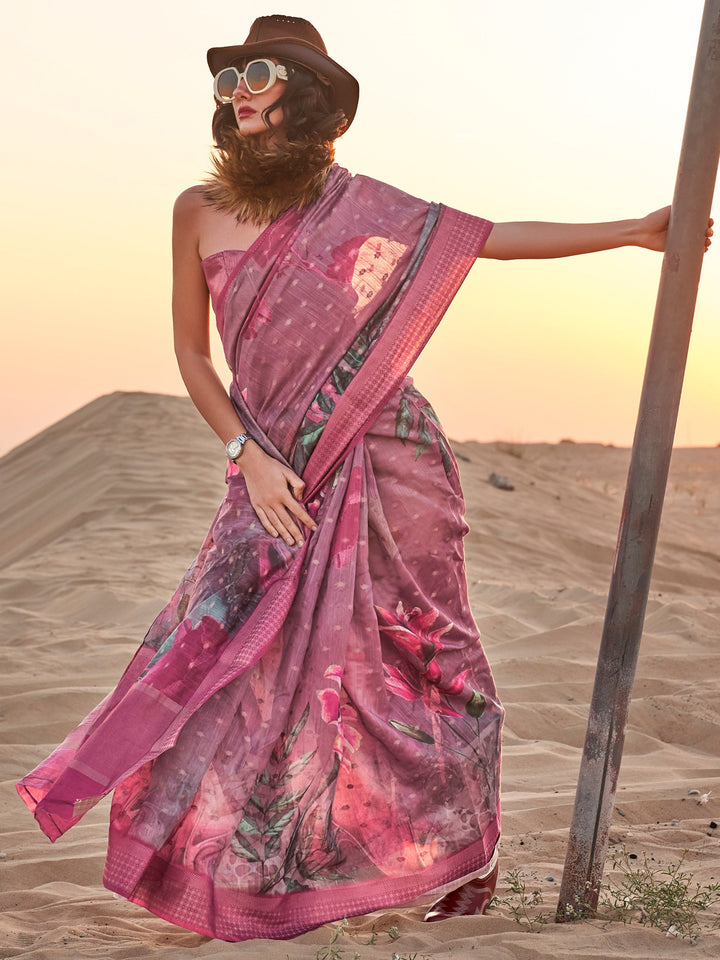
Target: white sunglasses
[(259, 76)]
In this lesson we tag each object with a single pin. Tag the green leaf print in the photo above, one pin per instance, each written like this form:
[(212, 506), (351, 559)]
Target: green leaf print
[(249, 825), (273, 831), (445, 455), (241, 848), (289, 799), (272, 845), (297, 765), (430, 414), (310, 432), (277, 824), (415, 732), (341, 379), (292, 886), (424, 439), (325, 403), (295, 732), (355, 356), (403, 420)]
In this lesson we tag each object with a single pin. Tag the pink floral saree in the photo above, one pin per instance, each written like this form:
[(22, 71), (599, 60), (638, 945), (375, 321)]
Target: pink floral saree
[(312, 732)]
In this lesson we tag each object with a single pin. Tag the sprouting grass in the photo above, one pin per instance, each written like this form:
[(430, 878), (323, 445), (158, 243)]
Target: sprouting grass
[(665, 897), (392, 934), (522, 902), (335, 951), (332, 951)]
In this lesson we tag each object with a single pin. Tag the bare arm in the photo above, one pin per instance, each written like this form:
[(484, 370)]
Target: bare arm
[(536, 240), (191, 325), (273, 488)]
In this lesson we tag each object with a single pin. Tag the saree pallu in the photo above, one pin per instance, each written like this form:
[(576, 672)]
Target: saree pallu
[(310, 732)]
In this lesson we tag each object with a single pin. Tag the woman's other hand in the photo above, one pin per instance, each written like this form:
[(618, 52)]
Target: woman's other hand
[(274, 492), (654, 227)]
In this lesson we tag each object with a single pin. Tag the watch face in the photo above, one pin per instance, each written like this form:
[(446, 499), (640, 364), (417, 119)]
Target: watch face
[(234, 449)]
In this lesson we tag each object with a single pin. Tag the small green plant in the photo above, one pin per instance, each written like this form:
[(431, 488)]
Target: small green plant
[(392, 934), (667, 898), (522, 903), (332, 951), (580, 910)]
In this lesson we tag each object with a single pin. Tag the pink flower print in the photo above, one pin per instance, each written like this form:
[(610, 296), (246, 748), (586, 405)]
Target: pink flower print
[(404, 686), (456, 685), (330, 705), (410, 631), (348, 736)]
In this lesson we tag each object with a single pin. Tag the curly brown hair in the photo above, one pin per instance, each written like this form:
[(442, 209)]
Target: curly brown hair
[(310, 114)]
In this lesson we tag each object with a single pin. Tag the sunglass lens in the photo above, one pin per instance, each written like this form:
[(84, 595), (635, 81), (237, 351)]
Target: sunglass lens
[(257, 76), (225, 83)]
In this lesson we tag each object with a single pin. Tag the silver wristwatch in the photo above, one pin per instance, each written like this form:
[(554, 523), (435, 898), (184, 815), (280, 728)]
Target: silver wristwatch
[(234, 447)]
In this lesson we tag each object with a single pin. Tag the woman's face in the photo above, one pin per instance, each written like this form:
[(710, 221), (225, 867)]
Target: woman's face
[(248, 107)]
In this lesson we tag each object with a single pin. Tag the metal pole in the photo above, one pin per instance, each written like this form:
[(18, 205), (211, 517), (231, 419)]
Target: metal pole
[(646, 482)]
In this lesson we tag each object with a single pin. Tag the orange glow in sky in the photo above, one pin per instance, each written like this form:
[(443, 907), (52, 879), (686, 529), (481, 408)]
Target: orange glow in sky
[(536, 111)]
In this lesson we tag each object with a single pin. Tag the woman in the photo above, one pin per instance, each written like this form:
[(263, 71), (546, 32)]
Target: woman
[(310, 729)]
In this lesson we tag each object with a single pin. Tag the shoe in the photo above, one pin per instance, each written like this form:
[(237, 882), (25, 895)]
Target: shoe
[(469, 900)]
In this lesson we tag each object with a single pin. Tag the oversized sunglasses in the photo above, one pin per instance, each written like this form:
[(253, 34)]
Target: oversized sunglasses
[(259, 76)]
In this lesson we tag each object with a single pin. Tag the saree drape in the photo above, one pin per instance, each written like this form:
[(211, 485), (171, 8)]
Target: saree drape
[(310, 732)]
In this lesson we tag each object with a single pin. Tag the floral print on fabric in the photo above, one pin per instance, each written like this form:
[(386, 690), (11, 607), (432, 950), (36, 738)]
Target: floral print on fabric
[(342, 714), (421, 678), (426, 417), (383, 252), (278, 828)]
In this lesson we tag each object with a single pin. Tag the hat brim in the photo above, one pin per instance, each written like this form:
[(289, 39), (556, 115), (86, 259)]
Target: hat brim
[(345, 87)]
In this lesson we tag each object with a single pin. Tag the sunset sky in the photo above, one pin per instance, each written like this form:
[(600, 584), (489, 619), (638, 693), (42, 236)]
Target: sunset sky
[(558, 110)]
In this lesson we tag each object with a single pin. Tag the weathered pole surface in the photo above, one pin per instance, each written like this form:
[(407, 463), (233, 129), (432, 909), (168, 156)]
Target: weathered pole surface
[(646, 482)]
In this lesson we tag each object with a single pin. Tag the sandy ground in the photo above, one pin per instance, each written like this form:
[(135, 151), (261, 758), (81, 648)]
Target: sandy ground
[(92, 543)]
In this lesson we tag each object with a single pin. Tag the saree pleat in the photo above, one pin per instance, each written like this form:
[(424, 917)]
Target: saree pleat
[(310, 732)]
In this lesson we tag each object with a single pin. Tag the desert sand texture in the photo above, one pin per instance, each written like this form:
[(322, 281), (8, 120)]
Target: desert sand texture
[(99, 520)]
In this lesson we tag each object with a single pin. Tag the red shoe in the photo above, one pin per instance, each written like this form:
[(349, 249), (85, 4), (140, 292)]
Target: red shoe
[(469, 900)]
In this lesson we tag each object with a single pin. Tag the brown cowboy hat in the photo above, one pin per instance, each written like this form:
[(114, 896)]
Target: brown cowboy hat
[(297, 41)]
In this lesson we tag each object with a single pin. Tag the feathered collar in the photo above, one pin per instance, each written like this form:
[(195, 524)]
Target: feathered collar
[(258, 180)]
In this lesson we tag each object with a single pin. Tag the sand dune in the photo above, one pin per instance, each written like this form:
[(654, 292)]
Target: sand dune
[(97, 524)]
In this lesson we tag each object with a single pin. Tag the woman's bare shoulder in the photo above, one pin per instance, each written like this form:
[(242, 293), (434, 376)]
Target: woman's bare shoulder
[(191, 202)]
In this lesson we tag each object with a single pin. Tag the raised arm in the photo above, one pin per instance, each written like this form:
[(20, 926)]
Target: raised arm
[(537, 240)]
